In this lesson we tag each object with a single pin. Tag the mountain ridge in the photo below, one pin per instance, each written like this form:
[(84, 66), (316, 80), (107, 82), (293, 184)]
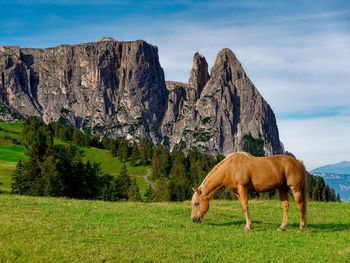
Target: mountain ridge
[(117, 89), (337, 168)]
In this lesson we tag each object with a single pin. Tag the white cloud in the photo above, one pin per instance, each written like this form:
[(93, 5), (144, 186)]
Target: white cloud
[(317, 141)]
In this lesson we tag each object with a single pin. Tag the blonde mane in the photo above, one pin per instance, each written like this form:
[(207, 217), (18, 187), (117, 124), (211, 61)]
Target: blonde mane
[(217, 166)]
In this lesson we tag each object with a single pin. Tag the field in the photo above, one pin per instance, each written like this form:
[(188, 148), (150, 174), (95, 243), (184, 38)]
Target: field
[(11, 153), (36, 229)]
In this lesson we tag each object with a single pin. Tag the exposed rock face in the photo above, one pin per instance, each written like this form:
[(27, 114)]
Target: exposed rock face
[(228, 108), (117, 89), (199, 74)]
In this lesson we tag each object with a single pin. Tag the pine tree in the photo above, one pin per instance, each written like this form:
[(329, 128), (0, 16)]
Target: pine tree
[(134, 191), (149, 194), (123, 151), (324, 195), (179, 186), (145, 151), (76, 137), (338, 198), (113, 147), (52, 180), (315, 196), (160, 162), (106, 142), (86, 140), (124, 183), (110, 188), (333, 197), (19, 182), (161, 193), (92, 173), (134, 154), (252, 145)]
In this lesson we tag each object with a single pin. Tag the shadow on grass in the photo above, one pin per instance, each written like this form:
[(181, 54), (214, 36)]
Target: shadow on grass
[(12, 132), (326, 226), (230, 223)]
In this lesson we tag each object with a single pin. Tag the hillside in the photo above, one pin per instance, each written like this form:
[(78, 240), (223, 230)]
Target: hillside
[(117, 89), (10, 153), (36, 229)]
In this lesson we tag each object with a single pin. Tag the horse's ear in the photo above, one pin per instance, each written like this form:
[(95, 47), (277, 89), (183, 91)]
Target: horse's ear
[(196, 190)]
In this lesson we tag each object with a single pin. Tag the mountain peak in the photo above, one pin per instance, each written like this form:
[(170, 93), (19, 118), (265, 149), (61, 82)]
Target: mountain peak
[(225, 55), (227, 64), (199, 74)]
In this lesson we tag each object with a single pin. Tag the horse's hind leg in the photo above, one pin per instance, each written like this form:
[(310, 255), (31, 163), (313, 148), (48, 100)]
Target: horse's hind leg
[(243, 197), (283, 192), (298, 196)]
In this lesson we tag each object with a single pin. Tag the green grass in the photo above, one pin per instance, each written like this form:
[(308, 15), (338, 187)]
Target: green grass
[(36, 229), (113, 165), (11, 153), (110, 164), (6, 170), (12, 130)]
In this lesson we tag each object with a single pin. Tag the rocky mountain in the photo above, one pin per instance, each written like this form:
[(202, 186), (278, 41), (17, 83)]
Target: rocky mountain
[(117, 89)]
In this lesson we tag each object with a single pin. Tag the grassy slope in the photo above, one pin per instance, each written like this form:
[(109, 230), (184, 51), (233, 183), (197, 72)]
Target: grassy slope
[(10, 154), (59, 230), (6, 170)]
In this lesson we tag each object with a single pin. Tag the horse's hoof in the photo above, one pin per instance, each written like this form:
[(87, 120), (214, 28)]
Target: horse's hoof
[(246, 229), (300, 230), (281, 229)]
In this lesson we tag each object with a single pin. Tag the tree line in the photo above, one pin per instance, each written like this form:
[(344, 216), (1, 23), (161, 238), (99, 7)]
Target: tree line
[(60, 171)]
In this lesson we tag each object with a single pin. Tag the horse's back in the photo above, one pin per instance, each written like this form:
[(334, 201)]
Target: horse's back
[(293, 170), (267, 173)]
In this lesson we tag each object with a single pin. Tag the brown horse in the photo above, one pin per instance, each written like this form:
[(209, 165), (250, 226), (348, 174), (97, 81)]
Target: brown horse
[(242, 172)]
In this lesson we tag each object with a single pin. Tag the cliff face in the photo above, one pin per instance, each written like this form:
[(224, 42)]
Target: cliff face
[(214, 113), (117, 89)]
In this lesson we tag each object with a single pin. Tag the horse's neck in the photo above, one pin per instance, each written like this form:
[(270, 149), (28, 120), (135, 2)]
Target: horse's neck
[(213, 182)]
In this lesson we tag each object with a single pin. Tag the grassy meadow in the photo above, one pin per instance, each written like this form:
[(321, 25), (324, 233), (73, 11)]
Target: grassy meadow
[(40, 229), (36, 229), (10, 153)]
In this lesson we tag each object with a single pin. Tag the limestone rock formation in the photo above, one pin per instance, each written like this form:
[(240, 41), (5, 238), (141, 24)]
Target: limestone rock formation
[(228, 108), (117, 89)]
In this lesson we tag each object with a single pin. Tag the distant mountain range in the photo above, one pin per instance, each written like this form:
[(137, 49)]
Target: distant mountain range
[(338, 168), (337, 176)]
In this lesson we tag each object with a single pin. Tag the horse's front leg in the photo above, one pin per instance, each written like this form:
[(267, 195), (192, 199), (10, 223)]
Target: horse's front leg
[(243, 197)]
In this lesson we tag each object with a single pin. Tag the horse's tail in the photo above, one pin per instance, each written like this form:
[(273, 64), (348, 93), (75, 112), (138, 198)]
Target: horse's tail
[(304, 188)]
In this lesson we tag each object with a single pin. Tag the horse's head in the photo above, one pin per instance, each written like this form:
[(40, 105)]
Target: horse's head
[(199, 206)]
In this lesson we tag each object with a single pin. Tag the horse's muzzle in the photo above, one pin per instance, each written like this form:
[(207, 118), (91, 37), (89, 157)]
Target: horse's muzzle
[(196, 219)]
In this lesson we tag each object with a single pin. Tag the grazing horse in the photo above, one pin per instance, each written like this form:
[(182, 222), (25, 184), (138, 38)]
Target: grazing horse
[(242, 172)]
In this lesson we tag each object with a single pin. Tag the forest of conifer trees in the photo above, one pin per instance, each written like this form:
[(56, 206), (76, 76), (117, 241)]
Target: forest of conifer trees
[(53, 170)]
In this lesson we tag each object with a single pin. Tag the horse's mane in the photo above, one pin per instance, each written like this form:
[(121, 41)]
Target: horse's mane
[(217, 166)]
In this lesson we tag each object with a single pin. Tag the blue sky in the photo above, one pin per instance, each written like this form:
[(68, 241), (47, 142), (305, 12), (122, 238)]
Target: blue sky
[(297, 53)]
